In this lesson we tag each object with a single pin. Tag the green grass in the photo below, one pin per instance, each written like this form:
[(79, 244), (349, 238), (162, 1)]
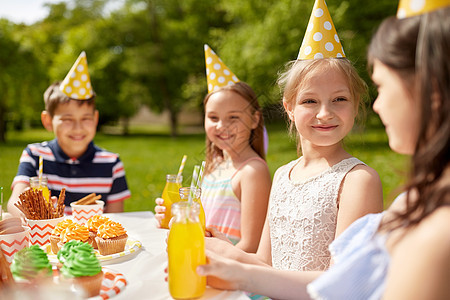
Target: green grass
[(149, 154)]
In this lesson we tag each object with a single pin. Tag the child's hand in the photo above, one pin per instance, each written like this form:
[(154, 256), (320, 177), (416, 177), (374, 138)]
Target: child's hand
[(222, 272), (214, 232), (159, 211)]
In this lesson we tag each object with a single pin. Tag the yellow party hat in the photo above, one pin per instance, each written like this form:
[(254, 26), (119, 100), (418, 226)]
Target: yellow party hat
[(409, 8), (321, 39), (217, 73), (77, 84)]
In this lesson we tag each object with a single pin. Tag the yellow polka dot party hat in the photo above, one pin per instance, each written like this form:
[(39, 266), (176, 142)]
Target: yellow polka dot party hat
[(217, 73), (77, 84), (321, 39), (409, 8)]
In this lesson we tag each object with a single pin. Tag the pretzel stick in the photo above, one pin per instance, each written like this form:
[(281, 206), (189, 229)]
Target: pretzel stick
[(35, 207), (85, 199), (60, 203)]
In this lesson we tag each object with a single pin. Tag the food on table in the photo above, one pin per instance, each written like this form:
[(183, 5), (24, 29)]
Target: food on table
[(11, 225), (30, 263), (88, 200), (81, 267), (74, 231), (111, 238), (72, 247), (34, 206), (6, 278), (55, 238), (92, 224)]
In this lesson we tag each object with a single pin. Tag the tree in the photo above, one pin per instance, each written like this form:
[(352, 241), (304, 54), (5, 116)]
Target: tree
[(19, 80)]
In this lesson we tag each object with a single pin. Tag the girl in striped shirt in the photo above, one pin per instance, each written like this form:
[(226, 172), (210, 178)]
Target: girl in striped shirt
[(236, 185)]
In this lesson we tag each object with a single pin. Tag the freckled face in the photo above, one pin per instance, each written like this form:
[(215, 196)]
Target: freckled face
[(229, 121), (396, 108)]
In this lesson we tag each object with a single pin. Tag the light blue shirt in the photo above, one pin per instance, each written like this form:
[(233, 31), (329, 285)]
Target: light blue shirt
[(361, 262)]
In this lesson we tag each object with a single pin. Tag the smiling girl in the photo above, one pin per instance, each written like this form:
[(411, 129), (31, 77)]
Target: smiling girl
[(236, 184), (315, 197)]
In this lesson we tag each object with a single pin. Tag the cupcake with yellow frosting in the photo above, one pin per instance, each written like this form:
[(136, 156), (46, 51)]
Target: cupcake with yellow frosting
[(93, 224), (81, 267), (30, 263), (55, 238), (111, 238)]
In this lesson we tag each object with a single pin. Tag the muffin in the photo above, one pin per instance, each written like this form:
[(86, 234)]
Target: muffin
[(30, 263), (111, 238), (92, 224), (55, 238), (82, 268), (74, 231)]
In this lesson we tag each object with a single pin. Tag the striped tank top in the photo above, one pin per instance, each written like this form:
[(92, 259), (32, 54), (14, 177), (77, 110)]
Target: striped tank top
[(222, 207)]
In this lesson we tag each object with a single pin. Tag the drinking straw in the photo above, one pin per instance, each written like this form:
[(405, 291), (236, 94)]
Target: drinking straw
[(200, 175), (180, 171), (193, 182), (41, 163)]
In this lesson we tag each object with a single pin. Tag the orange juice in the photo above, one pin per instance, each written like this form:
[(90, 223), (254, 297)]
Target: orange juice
[(184, 195), (186, 251), (170, 196), (34, 184)]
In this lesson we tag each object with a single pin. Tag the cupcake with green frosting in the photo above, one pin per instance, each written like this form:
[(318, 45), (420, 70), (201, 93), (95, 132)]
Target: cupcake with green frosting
[(82, 267), (30, 263), (72, 247)]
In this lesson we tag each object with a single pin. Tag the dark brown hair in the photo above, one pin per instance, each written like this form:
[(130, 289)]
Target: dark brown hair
[(257, 136), (53, 97), (418, 48)]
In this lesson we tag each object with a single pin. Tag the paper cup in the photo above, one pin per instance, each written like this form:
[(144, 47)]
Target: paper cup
[(82, 213), (41, 230), (13, 242)]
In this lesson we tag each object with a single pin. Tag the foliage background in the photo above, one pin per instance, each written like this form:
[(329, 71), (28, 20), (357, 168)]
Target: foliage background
[(150, 53)]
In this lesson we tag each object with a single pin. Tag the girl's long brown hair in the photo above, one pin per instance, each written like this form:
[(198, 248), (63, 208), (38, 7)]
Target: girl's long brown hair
[(418, 48), (257, 135)]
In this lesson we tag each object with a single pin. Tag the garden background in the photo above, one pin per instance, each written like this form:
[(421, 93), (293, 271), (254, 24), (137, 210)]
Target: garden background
[(148, 56)]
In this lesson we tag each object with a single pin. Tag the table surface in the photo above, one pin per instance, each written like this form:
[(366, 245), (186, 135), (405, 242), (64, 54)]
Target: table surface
[(144, 269)]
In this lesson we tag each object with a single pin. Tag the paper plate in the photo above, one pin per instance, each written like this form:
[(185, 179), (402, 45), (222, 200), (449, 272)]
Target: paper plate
[(131, 246)]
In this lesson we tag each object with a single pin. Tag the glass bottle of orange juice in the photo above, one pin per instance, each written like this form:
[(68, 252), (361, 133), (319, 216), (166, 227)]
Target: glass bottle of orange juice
[(197, 193), (186, 251), (42, 186), (170, 195)]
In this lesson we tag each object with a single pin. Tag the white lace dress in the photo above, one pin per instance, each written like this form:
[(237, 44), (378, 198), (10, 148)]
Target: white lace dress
[(302, 217)]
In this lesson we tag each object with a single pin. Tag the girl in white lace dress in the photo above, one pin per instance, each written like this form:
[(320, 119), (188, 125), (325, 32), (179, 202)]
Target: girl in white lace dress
[(403, 253), (318, 195), (315, 197)]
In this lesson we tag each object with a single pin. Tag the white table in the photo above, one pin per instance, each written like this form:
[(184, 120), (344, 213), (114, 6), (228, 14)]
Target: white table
[(144, 269)]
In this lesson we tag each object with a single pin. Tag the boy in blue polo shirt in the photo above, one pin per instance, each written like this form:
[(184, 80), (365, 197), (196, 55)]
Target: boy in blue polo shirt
[(71, 160)]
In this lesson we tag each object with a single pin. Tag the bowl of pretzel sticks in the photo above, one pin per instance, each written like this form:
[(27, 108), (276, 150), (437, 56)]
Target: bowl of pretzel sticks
[(41, 215), (87, 207)]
